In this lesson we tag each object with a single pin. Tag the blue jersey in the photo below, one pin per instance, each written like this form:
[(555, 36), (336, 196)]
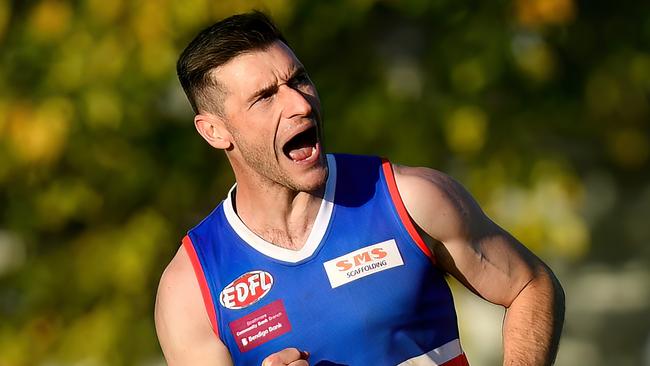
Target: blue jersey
[(363, 290)]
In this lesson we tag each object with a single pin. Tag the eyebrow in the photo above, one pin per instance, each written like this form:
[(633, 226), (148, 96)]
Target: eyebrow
[(297, 70), (264, 90)]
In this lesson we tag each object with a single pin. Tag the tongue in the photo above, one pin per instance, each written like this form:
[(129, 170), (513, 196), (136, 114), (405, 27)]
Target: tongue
[(300, 153)]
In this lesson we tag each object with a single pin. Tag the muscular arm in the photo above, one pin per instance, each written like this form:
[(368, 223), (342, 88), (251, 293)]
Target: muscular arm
[(183, 326), (488, 261), (182, 323)]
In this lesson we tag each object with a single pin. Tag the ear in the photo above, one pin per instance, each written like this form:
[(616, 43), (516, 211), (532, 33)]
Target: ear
[(213, 130)]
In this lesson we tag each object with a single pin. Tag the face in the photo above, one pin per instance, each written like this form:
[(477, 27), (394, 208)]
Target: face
[(272, 114)]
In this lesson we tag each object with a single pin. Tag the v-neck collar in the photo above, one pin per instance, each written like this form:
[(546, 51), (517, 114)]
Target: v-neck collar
[(315, 235)]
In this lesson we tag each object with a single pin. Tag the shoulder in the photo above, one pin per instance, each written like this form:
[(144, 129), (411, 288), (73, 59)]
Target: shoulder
[(179, 296), (437, 203), (182, 323), (431, 183), (178, 278)]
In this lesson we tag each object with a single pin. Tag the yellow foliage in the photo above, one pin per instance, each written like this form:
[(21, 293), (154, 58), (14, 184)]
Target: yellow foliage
[(43, 330), (14, 347), (404, 80), (107, 58), (12, 253), (135, 252), (121, 259), (546, 216), (38, 134), (466, 129), (157, 59), (4, 111), (97, 330), (50, 19), (468, 76), (535, 13), (281, 10), (569, 237), (63, 200), (639, 70), (629, 147), (603, 94), (189, 15), (150, 22), (104, 12), (5, 13), (534, 57), (103, 108), (78, 77), (69, 69)]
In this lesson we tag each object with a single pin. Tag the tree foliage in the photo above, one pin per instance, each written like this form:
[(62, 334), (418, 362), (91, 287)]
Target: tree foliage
[(540, 107)]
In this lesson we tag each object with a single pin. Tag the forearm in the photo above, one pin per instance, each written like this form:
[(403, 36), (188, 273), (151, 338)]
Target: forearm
[(533, 323)]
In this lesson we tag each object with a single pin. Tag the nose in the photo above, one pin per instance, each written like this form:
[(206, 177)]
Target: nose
[(296, 103)]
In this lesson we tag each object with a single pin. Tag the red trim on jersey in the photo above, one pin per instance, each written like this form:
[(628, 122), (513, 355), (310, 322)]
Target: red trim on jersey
[(200, 276), (401, 210), (459, 360)]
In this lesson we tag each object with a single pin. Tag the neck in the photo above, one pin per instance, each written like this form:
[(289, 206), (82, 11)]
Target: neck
[(278, 214)]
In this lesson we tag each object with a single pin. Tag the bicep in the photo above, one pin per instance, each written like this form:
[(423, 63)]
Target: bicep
[(467, 244), (491, 263), (182, 324)]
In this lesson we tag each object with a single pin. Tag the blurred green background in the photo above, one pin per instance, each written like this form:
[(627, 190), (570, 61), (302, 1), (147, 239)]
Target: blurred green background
[(539, 107)]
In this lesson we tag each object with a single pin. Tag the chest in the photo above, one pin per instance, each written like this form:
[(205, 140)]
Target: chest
[(360, 291), (354, 291)]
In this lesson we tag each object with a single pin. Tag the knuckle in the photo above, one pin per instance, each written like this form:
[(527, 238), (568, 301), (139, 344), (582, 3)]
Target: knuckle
[(272, 360), (286, 356)]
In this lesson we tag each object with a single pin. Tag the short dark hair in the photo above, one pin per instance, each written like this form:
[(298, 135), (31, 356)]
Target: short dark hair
[(215, 46)]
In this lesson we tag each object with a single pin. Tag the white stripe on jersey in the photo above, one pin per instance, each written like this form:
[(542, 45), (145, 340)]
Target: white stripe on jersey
[(436, 357)]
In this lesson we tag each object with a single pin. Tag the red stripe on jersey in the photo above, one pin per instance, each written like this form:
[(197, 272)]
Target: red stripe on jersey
[(401, 210), (459, 360), (200, 276)]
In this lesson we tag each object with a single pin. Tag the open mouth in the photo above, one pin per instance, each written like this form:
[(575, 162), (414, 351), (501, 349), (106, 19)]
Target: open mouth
[(303, 146)]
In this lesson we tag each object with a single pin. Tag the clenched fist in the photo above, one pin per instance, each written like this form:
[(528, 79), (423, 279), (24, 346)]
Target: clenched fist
[(287, 357)]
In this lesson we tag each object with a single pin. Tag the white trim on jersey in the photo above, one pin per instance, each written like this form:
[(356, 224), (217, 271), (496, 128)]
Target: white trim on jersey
[(315, 236), (436, 357)]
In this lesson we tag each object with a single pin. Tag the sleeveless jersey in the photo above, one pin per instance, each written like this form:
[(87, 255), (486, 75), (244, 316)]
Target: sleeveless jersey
[(363, 290)]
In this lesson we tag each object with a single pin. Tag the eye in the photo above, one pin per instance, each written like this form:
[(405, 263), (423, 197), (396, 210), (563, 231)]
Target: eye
[(300, 79), (265, 97)]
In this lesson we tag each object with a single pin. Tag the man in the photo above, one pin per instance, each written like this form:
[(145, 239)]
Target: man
[(329, 259)]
